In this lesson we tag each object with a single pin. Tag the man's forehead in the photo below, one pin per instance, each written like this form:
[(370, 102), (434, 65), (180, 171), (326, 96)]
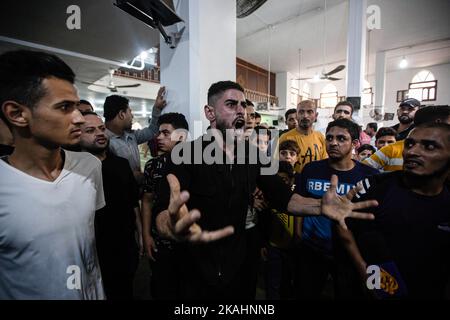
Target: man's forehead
[(92, 120), (430, 134), (233, 94), (343, 107), (166, 126), (338, 131), (60, 89)]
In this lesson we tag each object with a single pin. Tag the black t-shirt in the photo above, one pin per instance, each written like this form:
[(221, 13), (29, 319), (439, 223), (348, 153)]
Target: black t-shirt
[(116, 222), (155, 171), (402, 135), (222, 194), (410, 232)]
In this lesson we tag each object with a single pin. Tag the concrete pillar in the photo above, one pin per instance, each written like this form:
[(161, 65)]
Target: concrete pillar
[(356, 50), (205, 54), (380, 79), (283, 85)]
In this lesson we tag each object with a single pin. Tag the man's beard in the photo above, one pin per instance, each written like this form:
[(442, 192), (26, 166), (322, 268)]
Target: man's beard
[(304, 124), (239, 123), (417, 180), (94, 149), (405, 120)]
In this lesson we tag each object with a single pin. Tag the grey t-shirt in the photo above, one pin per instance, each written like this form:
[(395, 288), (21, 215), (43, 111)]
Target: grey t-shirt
[(47, 239)]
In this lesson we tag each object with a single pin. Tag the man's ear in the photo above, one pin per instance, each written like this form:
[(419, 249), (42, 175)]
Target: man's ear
[(121, 114), (209, 113), (16, 114)]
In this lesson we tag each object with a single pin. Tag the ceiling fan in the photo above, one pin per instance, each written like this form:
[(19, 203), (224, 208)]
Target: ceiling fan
[(324, 75), (246, 7), (111, 86)]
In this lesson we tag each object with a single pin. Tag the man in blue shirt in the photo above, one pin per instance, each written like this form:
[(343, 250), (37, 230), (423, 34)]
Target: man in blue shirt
[(315, 258)]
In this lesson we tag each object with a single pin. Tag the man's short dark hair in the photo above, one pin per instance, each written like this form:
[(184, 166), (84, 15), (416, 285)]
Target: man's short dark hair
[(257, 115), (366, 147), (432, 114), (22, 73), (352, 127), (177, 120), (373, 125), (385, 131), (344, 103), (217, 89), (113, 105), (290, 145), (290, 111)]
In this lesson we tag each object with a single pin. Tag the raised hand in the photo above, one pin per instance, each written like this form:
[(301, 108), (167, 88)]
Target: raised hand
[(182, 224), (160, 101), (338, 207)]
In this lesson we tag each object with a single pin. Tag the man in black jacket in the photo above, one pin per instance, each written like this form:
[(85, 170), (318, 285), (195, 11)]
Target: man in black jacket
[(220, 179), (117, 222)]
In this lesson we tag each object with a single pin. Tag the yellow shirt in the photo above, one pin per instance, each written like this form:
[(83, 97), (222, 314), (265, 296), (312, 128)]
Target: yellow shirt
[(389, 158), (312, 147)]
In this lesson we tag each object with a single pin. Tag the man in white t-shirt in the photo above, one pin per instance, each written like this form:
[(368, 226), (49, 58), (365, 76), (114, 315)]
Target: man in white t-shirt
[(48, 196)]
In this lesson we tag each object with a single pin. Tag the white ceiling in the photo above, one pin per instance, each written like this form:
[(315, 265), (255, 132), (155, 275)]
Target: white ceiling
[(418, 29)]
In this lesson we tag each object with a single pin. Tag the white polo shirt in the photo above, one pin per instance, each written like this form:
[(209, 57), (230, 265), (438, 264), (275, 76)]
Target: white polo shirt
[(47, 239)]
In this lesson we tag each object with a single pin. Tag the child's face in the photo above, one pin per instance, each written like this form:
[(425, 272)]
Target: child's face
[(289, 156), (364, 154)]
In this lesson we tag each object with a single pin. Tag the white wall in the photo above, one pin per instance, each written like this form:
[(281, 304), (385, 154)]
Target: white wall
[(206, 54)]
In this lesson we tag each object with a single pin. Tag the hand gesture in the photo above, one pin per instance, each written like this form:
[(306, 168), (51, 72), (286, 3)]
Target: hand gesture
[(182, 223), (338, 207), (160, 101)]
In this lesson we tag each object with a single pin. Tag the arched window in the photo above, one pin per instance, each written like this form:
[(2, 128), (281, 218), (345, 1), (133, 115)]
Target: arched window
[(423, 86), (328, 96)]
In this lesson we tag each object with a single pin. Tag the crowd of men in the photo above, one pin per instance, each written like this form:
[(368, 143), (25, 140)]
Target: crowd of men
[(347, 213)]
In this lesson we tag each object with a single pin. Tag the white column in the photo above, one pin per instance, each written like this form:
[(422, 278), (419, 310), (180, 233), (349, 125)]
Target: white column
[(356, 47), (380, 79), (205, 54), (283, 84)]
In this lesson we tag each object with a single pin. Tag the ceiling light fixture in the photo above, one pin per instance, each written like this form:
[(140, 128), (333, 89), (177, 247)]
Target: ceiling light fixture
[(403, 63)]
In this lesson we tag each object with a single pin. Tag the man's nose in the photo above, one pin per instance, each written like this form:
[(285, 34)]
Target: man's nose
[(78, 117)]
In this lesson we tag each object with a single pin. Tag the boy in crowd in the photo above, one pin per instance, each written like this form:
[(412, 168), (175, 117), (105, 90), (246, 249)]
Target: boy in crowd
[(384, 136), (173, 128), (364, 151)]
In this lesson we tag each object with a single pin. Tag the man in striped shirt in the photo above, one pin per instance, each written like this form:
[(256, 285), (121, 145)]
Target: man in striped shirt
[(389, 158)]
